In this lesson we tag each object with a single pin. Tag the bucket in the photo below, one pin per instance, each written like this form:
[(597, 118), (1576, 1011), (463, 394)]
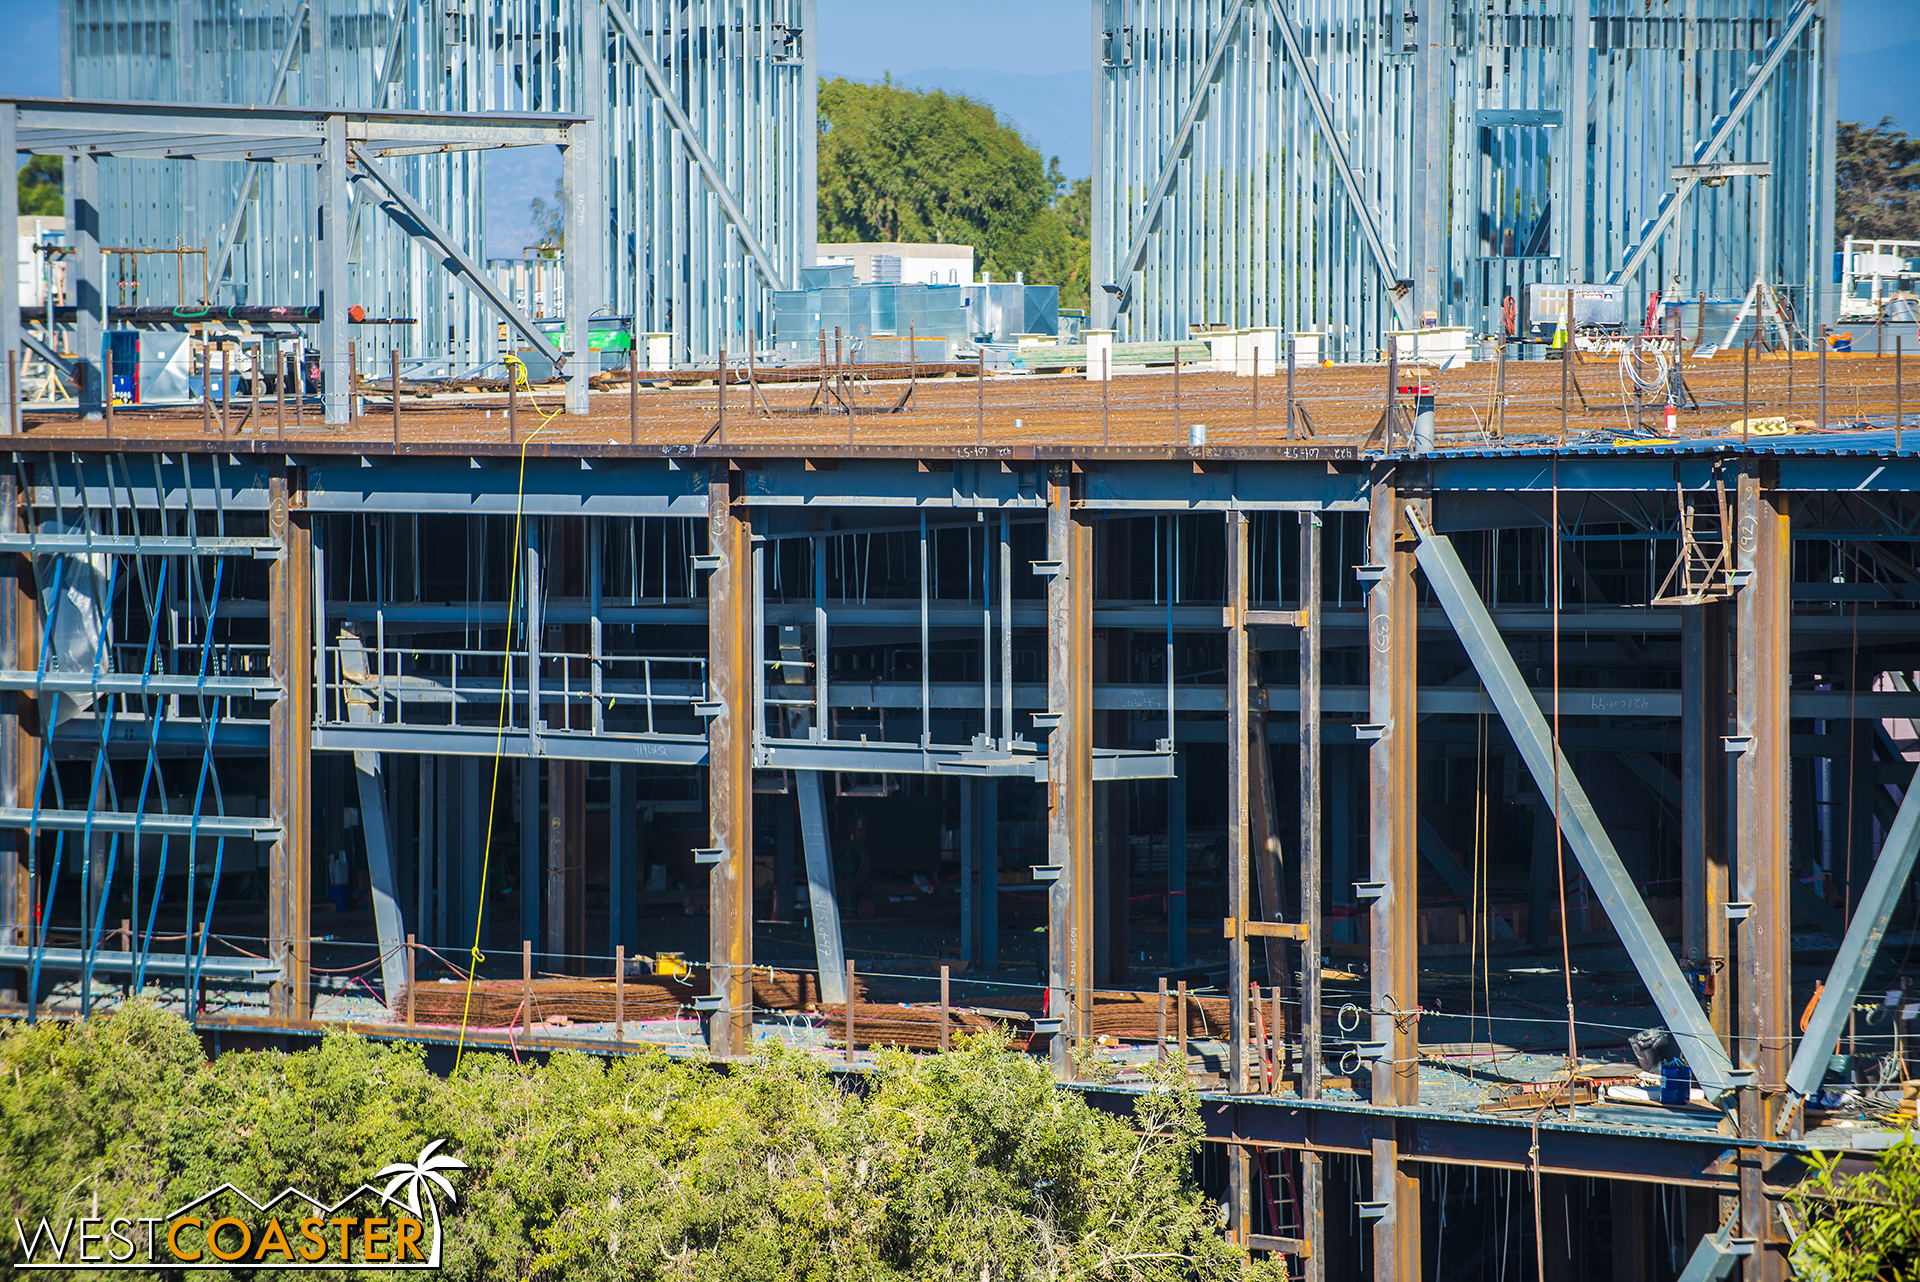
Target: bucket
[(1676, 1082)]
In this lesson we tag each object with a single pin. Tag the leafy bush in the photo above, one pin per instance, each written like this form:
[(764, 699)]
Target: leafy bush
[(971, 1165), (1860, 1227)]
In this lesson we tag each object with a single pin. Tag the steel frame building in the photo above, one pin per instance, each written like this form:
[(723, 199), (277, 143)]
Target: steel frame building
[(1352, 168), (703, 159)]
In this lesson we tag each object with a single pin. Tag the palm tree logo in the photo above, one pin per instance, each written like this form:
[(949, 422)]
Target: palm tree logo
[(423, 1175)]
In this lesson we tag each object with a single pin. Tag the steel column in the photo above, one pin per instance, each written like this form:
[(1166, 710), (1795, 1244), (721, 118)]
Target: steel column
[(829, 953), (1312, 1178), (586, 217), (730, 683), (290, 731), (1240, 802), (88, 282), (1069, 767), (1703, 796), (331, 251), (1393, 861), (19, 729), (1763, 941), (10, 348)]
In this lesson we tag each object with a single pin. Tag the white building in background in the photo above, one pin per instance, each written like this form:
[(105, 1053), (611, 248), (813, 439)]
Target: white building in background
[(900, 263), (32, 267)]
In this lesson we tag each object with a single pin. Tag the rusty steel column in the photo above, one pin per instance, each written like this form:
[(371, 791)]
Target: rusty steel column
[(1069, 768), (1703, 798), (1762, 940), (1240, 785), (19, 736), (1393, 853), (290, 744), (730, 761), (1313, 1182)]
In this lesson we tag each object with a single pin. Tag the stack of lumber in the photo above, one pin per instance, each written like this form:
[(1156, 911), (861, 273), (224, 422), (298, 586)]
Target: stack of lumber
[(909, 1027), (1134, 1017), (498, 1003)]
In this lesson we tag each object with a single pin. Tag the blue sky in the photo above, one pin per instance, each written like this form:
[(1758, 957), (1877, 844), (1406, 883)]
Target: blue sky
[(1029, 59)]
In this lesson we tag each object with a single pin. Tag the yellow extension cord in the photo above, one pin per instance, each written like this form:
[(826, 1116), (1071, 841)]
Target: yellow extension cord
[(518, 371)]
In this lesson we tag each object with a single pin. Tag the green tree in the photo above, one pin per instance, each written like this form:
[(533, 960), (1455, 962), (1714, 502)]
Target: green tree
[(39, 183), (550, 216), (938, 1169), (1876, 182), (897, 165), (1861, 1227)]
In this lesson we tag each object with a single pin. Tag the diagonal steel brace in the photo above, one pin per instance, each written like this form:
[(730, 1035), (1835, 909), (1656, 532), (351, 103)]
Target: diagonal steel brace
[(404, 210), (1619, 896)]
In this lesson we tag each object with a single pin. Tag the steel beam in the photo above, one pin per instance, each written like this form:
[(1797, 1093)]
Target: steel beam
[(1336, 145), (1725, 127), (331, 262), (88, 278), (10, 353), (1241, 781), (1878, 899), (669, 101), (1763, 944), (730, 652), (1393, 862), (1153, 208), (375, 825), (1619, 895), (1313, 1185), (20, 747), (829, 952), (586, 218), (1069, 767), (290, 756), (1703, 797), (400, 206)]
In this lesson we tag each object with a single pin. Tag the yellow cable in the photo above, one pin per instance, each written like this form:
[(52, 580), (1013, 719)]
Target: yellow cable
[(506, 699)]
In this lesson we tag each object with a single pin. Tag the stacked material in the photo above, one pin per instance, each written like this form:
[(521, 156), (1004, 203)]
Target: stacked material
[(909, 1027), (1135, 1017), (500, 1003)]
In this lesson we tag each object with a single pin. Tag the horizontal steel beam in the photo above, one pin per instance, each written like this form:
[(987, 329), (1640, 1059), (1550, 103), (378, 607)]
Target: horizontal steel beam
[(157, 684), (138, 545), (207, 827), (257, 969)]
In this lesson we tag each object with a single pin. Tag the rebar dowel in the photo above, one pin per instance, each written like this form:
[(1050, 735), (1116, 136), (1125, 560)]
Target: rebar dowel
[(1564, 374), (1180, 1027), (411, 962), (226, 393), (1898, 341), (513, 402), (945, 974), (279, 396), (1160, 1023), (721, 384), (980, 398), (13, 392), (526, 987), (1176, 395), (393, 382), (1256, 391), (1290, 364), (913, 364), (106, 401), (1393, 391), (633, 395), (206, 389), (1500, 387), (1824, 344), (1746, 391), (849, 1011), (620, 977), (253, 385), (1106, 375), (299, 394), (353, 382)]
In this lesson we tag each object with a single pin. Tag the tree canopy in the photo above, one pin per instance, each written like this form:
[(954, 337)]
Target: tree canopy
[(899, 165), (39, 184), (943, 1168), (1876, 182)]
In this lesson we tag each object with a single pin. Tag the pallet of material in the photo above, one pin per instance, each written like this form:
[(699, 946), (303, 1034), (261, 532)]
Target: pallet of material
[(908, 1027), (1134, 1017), (500, 1003)]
